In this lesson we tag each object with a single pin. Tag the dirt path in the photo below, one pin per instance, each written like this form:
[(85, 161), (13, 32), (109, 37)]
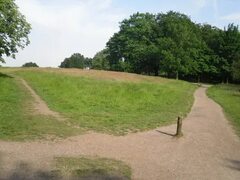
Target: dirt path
[(208, 150), (39, 105)]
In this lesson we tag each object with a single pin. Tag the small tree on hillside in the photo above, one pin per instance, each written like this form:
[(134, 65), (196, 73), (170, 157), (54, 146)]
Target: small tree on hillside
[(76, 61), (30, 64)]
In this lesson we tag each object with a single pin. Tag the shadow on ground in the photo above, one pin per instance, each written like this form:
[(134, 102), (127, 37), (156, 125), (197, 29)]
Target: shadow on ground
[(166, 133), (5, 76), (234, 164), (24, 172)]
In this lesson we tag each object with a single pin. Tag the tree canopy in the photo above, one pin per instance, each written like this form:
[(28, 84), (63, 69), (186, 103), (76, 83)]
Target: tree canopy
[(236, 70), (14, 29), (76, 61), (172, 45), (168, 44), (100, 60), (30, 64)]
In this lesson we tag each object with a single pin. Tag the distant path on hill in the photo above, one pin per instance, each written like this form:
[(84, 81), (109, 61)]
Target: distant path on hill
[(209, 148)]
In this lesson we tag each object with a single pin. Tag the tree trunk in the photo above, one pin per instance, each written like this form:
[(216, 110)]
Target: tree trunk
[(227, 80), (156, 72), (177, 75), (223, 80), (198, 78)]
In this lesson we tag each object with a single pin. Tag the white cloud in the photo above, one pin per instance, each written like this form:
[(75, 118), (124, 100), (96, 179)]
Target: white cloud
[(60, 28), (200, 3), (232, 17), (215, 6)]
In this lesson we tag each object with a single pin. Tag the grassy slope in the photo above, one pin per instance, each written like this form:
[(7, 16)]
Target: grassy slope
[(17, 122), (228, 96), (112, 106), (92, 168)]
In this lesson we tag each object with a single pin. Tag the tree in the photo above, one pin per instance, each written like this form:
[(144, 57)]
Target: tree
[(76, 61), (30, 64), (236, 70), (229, 51), (147, 43), (100, 60), (209, 66), (14, 29), (133, 48), (179, 43)]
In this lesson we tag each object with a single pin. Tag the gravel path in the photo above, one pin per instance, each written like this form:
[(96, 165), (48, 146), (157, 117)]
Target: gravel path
[(209, 148)]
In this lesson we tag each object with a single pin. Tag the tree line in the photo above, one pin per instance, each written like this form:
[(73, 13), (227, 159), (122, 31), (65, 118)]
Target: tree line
[(171, 45), (166, 44)]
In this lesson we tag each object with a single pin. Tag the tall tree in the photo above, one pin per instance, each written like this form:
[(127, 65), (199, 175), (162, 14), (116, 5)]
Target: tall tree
[(212, 36), (14, 29), (133, 48), (180, 44), (236, 70), (230, 50)]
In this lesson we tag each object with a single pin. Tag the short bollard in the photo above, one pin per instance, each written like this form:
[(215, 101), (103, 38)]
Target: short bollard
[(179, 127)]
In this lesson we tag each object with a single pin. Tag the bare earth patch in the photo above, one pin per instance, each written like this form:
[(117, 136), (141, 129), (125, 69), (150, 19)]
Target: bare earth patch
[(209, 148), (39, 105)]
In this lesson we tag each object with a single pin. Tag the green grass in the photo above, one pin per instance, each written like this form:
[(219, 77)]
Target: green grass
[(92, 168), (17, 122), (115, 107), (228, 96)]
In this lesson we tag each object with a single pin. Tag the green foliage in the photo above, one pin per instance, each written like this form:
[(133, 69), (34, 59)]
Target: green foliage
[(148, 43), (134, 45), (91, 168), (17, 120), (179, 43), (76, 61), (230, 50), (228, 96), (174, 46), (236, 70), (30, 64), (100, 60), (212, 61), (14, 29), (115, 107)]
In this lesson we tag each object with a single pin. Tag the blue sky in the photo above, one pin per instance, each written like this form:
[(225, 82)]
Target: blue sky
[(63, 27)]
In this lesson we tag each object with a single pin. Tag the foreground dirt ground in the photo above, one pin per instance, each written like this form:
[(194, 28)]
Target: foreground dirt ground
[(209, 149)]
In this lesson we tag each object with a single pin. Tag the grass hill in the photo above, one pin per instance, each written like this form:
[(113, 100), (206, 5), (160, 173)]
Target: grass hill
[(109, 102)]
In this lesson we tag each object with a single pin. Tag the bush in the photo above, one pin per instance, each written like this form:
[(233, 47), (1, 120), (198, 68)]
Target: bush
[(30, 64)]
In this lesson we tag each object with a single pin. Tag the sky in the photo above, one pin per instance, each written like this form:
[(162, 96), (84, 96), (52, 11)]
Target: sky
[(63, 27)]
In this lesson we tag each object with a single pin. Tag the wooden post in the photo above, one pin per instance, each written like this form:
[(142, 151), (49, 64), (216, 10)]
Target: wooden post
[(179, 127)]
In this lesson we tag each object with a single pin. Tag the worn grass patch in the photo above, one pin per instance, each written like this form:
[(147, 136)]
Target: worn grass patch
[(228, 96), (111, 106), (17, 122), (92, 168)]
